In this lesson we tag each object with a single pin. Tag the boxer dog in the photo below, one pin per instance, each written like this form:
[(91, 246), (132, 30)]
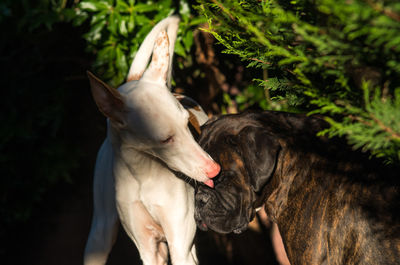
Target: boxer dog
[(148, 138), (332, 205)]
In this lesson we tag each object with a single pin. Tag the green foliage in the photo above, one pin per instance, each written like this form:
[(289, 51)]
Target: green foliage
[(32, 15), (375, 128), (117, 28), (323, 56)]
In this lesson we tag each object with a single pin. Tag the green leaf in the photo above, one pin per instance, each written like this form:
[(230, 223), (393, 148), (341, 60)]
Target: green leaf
[(142, 20), (80, 17), (113, 22), (98, 17), (184, 10), (94, 6), (131, 23), (240, 99), (95, 32), (121, 62), (188, 40), (143, 8), (179, 49), (123, 28), (122, 6), (197, 21)]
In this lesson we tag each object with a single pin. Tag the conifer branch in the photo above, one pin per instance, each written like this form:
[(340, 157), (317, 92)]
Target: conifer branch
[(224, 9), (387, 129), (258, 60), (323, 68), (385, 11)]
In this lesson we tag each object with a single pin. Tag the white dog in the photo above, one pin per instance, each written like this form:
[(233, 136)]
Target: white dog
[(147, 136)]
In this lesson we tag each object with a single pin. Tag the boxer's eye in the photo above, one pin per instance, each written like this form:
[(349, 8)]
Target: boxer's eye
[(230, 141), (229, 173), (224, 175)]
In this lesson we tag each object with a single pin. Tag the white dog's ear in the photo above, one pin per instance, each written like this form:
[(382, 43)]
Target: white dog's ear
[(108, 99), (141, 60), (158, 68)]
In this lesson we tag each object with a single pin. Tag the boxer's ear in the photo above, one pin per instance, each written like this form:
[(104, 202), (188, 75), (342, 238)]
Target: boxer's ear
[(260, 153)]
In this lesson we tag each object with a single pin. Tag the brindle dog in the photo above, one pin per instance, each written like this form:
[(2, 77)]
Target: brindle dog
[(332, 205)]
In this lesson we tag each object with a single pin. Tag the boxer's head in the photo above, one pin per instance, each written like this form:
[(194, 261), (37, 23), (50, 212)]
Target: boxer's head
[(247, 155)]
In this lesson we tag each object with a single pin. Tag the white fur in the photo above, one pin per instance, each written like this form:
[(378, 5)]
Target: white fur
[(132, 182), (142, 57)]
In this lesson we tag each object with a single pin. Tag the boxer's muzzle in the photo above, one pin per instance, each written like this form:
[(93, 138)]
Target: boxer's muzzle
[(224, 209), (245, 168)]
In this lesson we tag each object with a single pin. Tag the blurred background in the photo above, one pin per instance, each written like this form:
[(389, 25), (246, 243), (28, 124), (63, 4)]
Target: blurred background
[(339, 59)]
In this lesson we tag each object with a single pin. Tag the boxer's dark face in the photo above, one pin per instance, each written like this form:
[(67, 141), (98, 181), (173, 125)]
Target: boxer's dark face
[(247, 157), (228, 207)]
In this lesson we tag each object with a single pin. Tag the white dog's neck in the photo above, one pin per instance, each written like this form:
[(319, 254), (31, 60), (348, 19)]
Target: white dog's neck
[(138, 162)]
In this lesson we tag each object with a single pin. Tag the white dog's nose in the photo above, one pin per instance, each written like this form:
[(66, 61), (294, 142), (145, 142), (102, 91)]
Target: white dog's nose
[(212, 169)]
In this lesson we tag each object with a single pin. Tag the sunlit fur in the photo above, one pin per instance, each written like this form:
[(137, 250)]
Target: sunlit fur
[(333, 205), (147, 138)]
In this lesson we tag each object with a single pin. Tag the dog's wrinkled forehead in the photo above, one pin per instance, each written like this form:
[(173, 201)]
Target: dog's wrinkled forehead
[(226, 152), (222, 144), (148, 95), (233, 177), (152, 107)]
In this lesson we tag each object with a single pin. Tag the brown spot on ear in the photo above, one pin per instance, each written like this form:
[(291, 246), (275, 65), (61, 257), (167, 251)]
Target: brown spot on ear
[(163, 66), (163, 38), (154, 58), (133, 77), (158, 69)]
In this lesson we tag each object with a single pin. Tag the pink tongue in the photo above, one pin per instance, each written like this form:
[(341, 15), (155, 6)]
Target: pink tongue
[(209, 183)]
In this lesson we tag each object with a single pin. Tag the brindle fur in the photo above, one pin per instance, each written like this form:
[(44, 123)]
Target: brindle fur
[(332, 205)]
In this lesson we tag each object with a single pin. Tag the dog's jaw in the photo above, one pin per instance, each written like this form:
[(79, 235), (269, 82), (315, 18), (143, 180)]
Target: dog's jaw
[(223, 222)]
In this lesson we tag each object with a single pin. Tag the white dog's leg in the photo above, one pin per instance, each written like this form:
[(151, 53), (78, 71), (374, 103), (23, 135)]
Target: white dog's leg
[(194, 254), (139, 225), (180, 242), (179, 226), (145, 232), (104, 227)]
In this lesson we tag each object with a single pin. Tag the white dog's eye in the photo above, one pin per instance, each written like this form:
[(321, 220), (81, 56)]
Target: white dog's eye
[(169, 139)]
